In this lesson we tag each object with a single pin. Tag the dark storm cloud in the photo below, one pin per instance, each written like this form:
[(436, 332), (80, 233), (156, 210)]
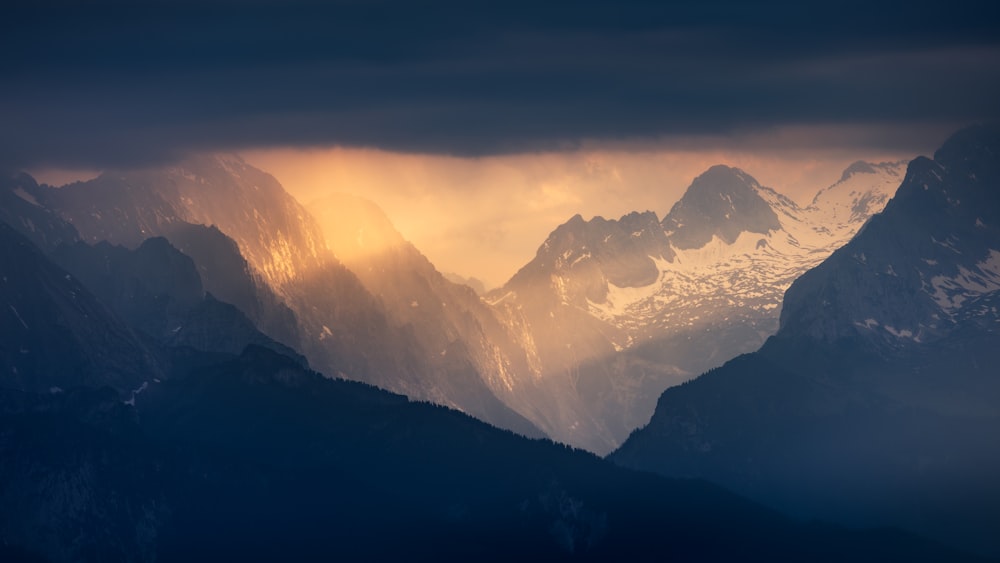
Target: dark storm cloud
[(93, 84)]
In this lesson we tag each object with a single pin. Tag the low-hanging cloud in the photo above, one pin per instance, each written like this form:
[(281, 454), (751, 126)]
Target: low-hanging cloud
[(126, 83)]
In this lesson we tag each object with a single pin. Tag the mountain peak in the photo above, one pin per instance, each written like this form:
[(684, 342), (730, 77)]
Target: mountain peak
[(929, 255), (205, 164), (863, 189), (857, 167), (865, 167), (579, 234), (969, 160), (723, 201), (971, 148), (722, 173)]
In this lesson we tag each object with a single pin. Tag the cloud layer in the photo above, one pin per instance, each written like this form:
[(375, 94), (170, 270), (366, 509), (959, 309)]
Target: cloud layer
[(103, 84)]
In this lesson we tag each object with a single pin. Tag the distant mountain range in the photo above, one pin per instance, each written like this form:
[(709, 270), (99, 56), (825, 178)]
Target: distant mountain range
[(142, 419), (259, 249), (576, 346), (878, 400), (613, 312), (158, 398)]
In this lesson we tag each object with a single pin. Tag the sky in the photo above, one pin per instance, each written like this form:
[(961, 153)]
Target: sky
[(529, 107)]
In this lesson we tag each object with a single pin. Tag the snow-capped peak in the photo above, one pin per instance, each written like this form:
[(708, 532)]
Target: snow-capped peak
[(862, 182), (721, 202)]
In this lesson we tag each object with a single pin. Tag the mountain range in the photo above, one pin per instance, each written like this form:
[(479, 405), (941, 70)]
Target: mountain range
[(178, 343), (258, 248), (613, 312), (876, 402), (123, 441), (576, 346)]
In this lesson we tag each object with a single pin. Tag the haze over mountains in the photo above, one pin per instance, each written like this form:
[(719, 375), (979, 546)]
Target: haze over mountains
[(146, 308), (615, 311), (251, 456), (146, 420), (576, 346), (342, 328), (705, 335)]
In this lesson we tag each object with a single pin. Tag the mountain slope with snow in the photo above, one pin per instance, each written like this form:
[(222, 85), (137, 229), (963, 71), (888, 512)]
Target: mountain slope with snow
[(876, 403), (617, 311)]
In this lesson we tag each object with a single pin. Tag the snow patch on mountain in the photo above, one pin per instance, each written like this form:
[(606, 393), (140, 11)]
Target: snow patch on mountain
[(23, 194), (621, 300), (950, 292), (724, 282)]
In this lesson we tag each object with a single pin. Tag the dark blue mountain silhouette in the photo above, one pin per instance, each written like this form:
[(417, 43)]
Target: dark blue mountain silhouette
[(878, 401)]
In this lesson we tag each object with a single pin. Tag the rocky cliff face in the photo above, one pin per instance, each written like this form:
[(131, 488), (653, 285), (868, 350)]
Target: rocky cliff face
[(263, 252), (228, 276), (57, 334), (22, 209), (274, 233), (468, 360), (158, 292)]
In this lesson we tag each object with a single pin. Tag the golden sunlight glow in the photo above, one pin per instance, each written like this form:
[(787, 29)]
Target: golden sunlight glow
[(485, 217), (354, 228)]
